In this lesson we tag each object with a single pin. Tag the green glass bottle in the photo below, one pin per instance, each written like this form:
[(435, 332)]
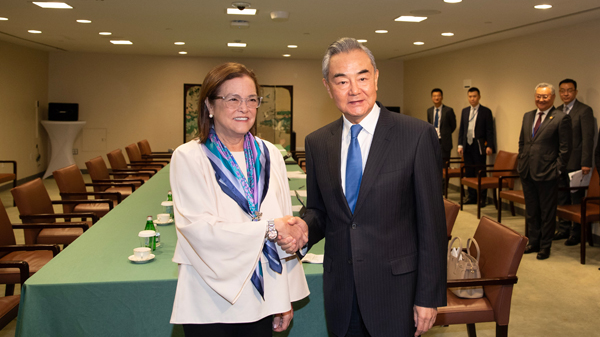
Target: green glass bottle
[(170, 208), (150, 226)]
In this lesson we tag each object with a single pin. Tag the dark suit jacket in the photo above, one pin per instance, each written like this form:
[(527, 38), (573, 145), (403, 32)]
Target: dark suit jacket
[(548, 152), (582, 121), (393, 248), (447, 125), (484, 127)]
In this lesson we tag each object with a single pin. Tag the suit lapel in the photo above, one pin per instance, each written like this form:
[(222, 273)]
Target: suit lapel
[(377, 154), (334, 151), (545, 123)]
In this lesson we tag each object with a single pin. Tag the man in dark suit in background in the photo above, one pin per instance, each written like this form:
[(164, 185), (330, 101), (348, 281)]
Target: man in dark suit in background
[(544, 149), (475, 139), (582, 121), (443, 120), (374, 193)]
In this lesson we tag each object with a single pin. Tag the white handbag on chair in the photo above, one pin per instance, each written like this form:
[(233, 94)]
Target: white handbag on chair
[(463, 266)]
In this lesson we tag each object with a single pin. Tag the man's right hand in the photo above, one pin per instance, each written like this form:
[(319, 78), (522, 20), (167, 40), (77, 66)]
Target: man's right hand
[(293, 234), (460, 151)]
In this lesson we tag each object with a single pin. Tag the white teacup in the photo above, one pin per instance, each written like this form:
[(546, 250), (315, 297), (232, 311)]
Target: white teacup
[(141, 253), (163, 217)]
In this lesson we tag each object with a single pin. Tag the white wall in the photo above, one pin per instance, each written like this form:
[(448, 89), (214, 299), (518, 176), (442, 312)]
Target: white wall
[(23, 82)]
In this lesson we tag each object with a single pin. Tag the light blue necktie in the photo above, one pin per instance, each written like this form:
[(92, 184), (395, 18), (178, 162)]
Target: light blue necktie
[(435, 120), (353, 168)]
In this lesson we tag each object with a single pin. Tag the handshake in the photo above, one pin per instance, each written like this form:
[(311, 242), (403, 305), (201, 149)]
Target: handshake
[(292, 233)]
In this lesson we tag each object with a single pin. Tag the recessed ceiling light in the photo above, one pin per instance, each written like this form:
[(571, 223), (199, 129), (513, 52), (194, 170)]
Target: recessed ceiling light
[(448, 34), (292, 46), (236, 44), (105, 33), (84, 21), (418, 43), (179, 43), (410, 18), (362, 41), (32, 31), (245, 11), (381, 31), (183, 52), (286, 55), (52, 5), (542, 6), (452, 1), (121, 42), (3, 19)]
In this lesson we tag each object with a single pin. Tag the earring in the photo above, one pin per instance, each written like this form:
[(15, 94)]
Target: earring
[(210, 116)]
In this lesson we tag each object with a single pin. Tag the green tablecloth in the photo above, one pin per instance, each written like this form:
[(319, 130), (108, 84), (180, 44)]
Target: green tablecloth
[(92, 289)]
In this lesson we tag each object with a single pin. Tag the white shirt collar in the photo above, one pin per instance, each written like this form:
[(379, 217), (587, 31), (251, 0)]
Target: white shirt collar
[(476, 108), (368, 123), (570, 104)]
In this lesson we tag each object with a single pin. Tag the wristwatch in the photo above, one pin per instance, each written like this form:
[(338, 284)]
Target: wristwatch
[(271, 231)]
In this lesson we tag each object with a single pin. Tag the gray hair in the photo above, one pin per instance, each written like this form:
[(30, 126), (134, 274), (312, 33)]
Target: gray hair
[(344, 45), (545, 85)]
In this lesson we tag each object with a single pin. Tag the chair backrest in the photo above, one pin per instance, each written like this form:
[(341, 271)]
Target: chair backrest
[(117, 160), (144, 147), (7, 235), (32, 198), (70, 180), (133, 152), (98, 171), (501, 252), (505, 161), (452, 209), (594, 189)]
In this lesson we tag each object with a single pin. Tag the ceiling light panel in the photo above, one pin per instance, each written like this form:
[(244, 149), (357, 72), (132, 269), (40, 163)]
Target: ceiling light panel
[(542, 6), (418, 43), (59, 5), (3, 19), (122, 42), (410, 18), (179, 43), (448, 34), (452, 1), (361, 41), (33, 31), (105, 33), (245, 11), (381, 31), (292, 46), (236, 45), (84, 21)]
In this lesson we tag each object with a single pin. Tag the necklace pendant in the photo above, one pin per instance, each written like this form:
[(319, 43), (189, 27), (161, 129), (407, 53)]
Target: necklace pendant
[(257, 216)]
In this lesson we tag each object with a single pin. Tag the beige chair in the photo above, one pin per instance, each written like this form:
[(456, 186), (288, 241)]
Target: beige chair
[(6, 177), (586, 213), (122, 170), (72, 187), (452, 209), (451, 172), (135, 157), (35, 206), (104, 183), (35, 256), (501, 252), (506, 163), (9, 304), (147, 153)]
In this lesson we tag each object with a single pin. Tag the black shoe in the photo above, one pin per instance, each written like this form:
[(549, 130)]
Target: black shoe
[(560, 235), (543, 254), (482, 204), (572, 241), (531, 249), (470, 202)]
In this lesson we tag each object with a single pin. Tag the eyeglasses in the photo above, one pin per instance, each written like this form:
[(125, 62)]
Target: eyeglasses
[(542, 96), (234, 101), (570, 91)]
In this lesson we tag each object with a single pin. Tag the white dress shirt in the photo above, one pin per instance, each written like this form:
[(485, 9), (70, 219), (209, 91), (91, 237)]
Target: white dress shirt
[(365, 137)]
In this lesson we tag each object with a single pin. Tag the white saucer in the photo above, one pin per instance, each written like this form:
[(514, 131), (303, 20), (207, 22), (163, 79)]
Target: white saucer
[(156, 222), (166, 203), (135, 259)]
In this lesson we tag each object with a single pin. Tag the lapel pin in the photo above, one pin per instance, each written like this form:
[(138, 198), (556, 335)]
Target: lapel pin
[(551, 117)]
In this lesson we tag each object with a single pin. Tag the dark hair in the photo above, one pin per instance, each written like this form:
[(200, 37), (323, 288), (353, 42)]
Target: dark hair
[(437, 90), (210, 87), (474, 89), (568, 80)]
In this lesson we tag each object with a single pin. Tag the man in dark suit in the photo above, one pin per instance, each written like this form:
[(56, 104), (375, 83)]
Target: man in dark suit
[(475, 139), (582, 121), (374, 193), (443, 119), (544, 149)]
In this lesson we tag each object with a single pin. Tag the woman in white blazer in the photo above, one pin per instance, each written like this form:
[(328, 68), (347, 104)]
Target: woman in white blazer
[(231, 198)]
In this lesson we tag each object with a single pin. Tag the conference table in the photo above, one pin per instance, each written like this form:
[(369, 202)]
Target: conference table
[(92, 289)]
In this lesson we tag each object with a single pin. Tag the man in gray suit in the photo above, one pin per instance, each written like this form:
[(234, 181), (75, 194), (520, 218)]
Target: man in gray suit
[(443, 120), (582, 120), (374, 193), (544, 149)]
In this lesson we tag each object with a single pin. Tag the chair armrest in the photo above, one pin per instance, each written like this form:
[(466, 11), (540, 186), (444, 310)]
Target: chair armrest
[(496, 281), (501, 178), (117, 183), (84, 201), (157, 163), (42, 225), (134, 166), (11, 162), (165, 155), (82, 215), (17, 248), (139, 172), (99, 194), (23, 268)]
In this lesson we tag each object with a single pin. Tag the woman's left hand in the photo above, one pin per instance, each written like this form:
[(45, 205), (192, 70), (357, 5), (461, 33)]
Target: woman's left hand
[(282, 321)]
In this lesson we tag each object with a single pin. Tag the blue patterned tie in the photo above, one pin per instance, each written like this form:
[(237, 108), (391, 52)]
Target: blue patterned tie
[(353, 168), (435, 120)]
